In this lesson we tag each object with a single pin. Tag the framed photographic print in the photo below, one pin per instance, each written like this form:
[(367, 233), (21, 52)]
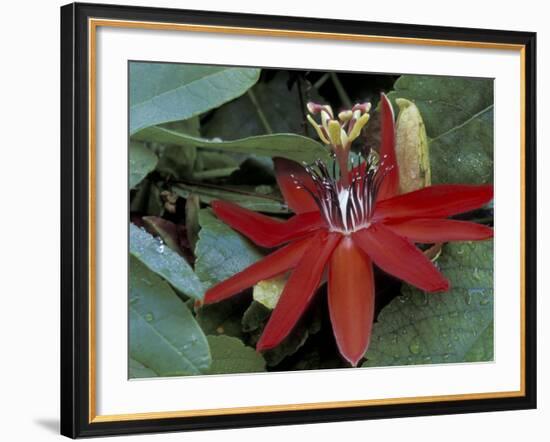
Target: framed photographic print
[(278, 220)]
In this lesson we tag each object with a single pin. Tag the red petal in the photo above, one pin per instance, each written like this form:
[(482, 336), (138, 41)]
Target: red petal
[(399, 257), (435, 202), (272, 265), (390, 185), (263, 230), (439, 230), (298, 199), (299, 290), (351, 299)]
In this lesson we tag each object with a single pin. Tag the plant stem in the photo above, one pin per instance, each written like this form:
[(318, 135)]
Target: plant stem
[(341, 91), (259, 111), (305, 125), (321, 81)]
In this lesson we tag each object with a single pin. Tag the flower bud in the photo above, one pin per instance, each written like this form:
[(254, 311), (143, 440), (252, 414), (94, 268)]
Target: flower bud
[(411, 148)]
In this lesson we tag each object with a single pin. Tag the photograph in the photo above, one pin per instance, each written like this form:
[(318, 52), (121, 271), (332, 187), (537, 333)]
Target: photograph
[(283, 220)]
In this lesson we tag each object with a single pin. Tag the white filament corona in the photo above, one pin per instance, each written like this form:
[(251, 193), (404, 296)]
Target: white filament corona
[(346, 208)]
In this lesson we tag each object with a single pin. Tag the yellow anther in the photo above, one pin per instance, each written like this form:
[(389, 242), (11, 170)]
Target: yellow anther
[(335, 133), (318, 129), (359, 124), (345, 116)]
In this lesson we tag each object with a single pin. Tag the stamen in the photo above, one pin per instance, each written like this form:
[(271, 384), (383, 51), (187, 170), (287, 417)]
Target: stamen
[(348, 205)]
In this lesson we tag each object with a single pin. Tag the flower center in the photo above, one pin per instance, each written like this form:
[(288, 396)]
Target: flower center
[(347, 205)]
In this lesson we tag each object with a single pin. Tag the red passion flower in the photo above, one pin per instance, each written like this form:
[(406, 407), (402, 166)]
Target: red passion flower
[(347, 219)]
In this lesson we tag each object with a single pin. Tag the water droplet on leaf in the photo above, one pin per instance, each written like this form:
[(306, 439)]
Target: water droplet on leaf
[(160, 247)]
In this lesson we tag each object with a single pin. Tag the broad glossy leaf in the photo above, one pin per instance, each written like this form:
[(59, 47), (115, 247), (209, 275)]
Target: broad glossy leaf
[(142, 162), (221, 252), (191, 126), (165, 262), (286, 145), (138, 370), (458, 114), (230, 355), (251, 197), (164, 92), (164, 336), (455, 326)]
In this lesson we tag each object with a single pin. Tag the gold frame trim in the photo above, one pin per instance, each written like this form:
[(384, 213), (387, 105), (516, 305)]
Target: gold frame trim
[(93, 24)]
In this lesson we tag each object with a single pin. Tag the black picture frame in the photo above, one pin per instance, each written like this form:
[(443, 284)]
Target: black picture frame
[(75, 221)]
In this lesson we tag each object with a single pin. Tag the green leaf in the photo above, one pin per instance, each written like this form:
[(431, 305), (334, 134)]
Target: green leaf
[(177, 162), (255, 317), (211, 165), (209, 160), (192, 226), (142, 162), (483, 348), (191, 126), (224, 317), (455, 326), (254, 320), (221, 252), (164, 229), (286, 145), (165, 262), (164, 92), (230, 355), (147, 199), (138, 370), (458, 114), (250, 197), (164, 336)]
